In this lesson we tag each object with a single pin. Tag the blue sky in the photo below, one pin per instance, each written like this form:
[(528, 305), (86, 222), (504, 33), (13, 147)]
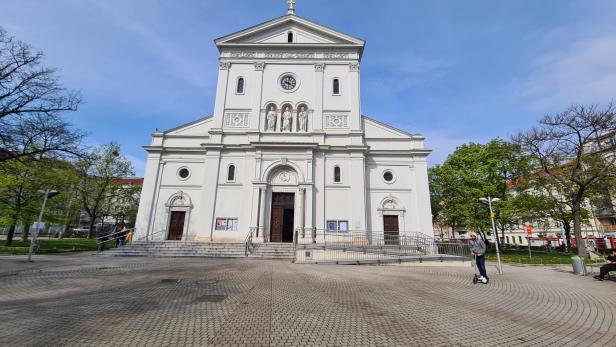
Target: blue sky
[(453, 70)]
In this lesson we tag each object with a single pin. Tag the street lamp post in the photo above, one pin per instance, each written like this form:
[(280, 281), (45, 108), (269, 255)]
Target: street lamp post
[(47, 195), (488, 201)]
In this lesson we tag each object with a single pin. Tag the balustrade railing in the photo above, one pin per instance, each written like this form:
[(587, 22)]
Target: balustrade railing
[(376, 246)]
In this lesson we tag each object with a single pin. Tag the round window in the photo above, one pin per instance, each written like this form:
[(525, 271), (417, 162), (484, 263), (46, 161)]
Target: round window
[(183, 173), (388, 176)]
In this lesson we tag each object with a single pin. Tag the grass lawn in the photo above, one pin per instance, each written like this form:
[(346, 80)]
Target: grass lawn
[(48, 246), (538, 257)]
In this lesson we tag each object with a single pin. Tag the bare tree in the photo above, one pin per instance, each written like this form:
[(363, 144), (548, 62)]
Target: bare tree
[(32, 100), (568, 147)]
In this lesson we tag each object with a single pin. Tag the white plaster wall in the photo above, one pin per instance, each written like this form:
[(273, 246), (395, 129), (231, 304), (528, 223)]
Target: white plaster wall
[(251, 86), (340, 102)]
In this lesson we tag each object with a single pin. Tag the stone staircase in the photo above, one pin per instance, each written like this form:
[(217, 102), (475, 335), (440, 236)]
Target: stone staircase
[(203, 249)]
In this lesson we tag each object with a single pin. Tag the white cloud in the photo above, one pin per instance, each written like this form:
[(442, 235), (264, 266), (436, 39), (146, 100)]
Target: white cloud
[(582, 72)]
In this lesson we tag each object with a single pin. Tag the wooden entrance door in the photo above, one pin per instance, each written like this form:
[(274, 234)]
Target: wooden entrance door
[(281, 224), (391, 230), (276, 224), (176, 225)]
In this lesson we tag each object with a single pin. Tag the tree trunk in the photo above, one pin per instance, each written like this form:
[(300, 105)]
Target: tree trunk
[(25, 232), (577, 230), (11, 233), (92, 223), (567, 227)]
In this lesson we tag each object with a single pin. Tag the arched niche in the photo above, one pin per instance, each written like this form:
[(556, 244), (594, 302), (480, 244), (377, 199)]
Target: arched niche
[(303, 117)]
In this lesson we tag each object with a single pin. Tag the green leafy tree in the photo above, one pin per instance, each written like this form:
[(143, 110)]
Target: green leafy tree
[(20, 198), (472, 171), (96, 176)]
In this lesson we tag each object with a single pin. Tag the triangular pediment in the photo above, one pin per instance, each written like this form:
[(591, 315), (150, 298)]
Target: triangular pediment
[(275, 32), (199, 127), (376, 129)]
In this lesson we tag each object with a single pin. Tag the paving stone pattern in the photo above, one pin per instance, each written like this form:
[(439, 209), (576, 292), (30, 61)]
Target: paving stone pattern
[(86, 300)]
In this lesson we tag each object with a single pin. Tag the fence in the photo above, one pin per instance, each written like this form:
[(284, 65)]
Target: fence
[(375, 247)]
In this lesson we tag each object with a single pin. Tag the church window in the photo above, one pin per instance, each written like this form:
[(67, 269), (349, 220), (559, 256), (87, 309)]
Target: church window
[(289, 37), (388, 176), (336, 86), (337, 178), (231, 173), (240, 86), (183, 173)]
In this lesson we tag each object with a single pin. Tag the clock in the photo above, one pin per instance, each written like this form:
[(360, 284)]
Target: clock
[(288, 82)]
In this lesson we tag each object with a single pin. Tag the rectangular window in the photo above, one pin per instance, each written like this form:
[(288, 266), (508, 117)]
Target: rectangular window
[(340, 226), (507, 237), (229, 224), (520, 238)]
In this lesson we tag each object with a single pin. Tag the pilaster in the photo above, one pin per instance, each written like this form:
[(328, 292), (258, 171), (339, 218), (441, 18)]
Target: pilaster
[(317, 116), (355, 97), (257, 97), (221, 93), (210, 187)]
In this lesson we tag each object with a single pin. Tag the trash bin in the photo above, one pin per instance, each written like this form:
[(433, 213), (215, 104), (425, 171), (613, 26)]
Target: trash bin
[(578, 265)]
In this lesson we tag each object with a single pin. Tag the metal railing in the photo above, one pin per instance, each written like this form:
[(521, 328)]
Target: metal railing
[(114, 235), (376, 247), (249, 244)]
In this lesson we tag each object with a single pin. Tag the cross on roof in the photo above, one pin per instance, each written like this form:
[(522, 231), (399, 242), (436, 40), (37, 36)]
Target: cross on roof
[(291, 6)]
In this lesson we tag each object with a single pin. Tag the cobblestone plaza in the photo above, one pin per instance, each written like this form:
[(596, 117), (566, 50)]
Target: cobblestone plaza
[(85, 300)]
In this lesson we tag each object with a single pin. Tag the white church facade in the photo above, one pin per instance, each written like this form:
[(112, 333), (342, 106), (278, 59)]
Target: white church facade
[(287, 154)]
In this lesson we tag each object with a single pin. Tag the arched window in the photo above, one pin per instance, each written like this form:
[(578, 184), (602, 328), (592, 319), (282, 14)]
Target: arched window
[(231, 173), (289, 37), (240, 86), (336, 174), (336, 86)]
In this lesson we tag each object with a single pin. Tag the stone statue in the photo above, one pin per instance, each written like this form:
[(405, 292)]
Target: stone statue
[(302, 119), (271, 119), (286, 119)]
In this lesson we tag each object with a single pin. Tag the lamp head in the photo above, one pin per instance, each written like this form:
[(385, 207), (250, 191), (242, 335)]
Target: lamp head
[(483, 200), (495, 199)]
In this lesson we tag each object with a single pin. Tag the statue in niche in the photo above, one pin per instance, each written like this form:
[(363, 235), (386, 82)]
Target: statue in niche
[(302, 119), (286, 119), (271, 119)]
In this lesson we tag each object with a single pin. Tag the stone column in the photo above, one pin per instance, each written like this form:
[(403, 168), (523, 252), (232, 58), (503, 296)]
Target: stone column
[(262, 192), (254, 210), (300, 212)]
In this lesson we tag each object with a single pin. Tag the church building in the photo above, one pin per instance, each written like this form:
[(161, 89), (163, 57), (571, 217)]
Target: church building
[(287, 153)]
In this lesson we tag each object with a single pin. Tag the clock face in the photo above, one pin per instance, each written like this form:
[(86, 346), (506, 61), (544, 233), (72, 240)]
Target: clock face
[(288, 82)]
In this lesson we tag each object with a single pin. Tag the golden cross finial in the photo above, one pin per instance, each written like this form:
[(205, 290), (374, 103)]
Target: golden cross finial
[(291, 6)]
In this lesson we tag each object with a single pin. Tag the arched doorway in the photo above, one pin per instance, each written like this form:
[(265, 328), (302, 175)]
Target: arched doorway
[(282, 217), (282, 186), (178, 207)]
